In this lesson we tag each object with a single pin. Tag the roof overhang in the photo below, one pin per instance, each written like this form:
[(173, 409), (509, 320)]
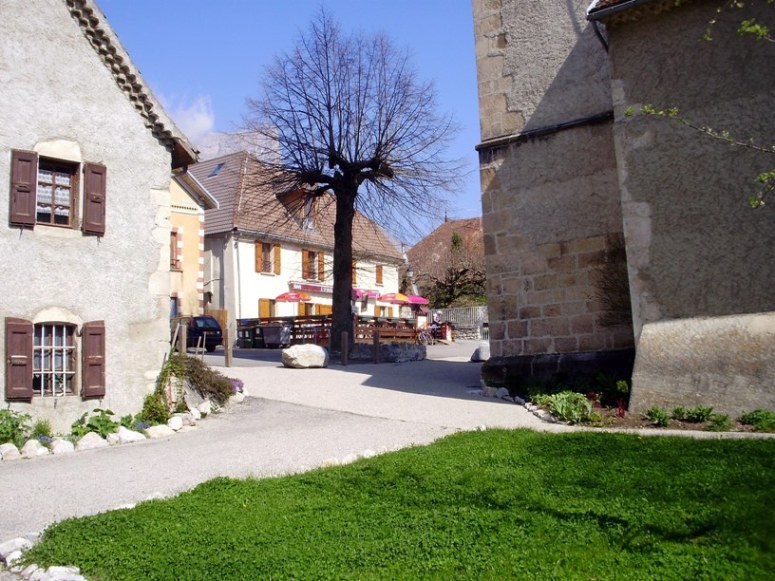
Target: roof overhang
[(194, 188), (605, 10)]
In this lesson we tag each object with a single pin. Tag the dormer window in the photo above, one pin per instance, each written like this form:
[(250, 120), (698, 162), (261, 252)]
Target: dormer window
[(308, 220)]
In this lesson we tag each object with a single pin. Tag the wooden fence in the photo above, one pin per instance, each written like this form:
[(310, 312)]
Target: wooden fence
[(317, 329)]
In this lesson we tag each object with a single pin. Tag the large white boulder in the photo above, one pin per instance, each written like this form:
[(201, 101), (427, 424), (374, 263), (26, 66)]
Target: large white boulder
[(91, 441), (305, 356), (482, 353), (33, 448), (60, 446), (127, 436), (9, 452)]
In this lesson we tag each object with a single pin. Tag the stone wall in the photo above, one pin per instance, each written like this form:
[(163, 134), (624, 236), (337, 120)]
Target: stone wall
[(550, 199), (700, 259)]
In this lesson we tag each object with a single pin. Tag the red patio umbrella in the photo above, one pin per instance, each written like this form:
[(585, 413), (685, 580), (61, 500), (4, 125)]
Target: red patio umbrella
[(293, 297), (394, 298), (417, 300), (360, 293)]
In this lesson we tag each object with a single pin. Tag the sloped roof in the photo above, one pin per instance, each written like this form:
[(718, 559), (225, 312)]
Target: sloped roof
[(247, 204), (434, 251), (100, 35)]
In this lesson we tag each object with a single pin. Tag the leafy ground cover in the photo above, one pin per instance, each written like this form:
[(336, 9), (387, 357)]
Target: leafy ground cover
[(495, 504)]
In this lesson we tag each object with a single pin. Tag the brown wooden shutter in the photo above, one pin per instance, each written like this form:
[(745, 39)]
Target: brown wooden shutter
[(379, 274), (93, 346), (94, 193), (277, 267), (18, 356), (259, 246), (24, 185), (305, 264), (321, 265), (354, 268)]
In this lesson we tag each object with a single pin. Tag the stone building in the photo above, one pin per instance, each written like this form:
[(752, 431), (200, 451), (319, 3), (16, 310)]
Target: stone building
[(550, 201), (569, 174), (86, 151)]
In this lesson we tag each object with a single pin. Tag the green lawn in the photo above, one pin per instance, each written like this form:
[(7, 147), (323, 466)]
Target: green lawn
[(495, 504)]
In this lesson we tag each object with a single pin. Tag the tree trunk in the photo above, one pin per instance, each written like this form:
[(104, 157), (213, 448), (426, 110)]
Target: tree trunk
[(343, 276)]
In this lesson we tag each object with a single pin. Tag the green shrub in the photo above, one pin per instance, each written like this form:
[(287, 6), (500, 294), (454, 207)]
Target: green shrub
[(695, 415), (14, 428), (43, 432), (205, 381), (155, 409), (612, 392), (719, 423), (657, 416), (42, 428), (699, 414), (567, 406), (679, 413), (100, 422), (762, 420)]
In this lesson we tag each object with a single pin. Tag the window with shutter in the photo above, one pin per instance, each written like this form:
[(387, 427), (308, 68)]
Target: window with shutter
[(321, 266), (93, 347), (305, 263), (277, 259), (94, 193), (24, 183), (45, 191), (18, 353), (266, 308), (53, 359)]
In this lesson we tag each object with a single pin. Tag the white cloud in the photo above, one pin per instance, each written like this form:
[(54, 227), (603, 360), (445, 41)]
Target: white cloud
[(195, 117)]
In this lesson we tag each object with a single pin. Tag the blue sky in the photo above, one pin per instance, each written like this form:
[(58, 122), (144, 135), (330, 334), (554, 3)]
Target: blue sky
[(203, 59)]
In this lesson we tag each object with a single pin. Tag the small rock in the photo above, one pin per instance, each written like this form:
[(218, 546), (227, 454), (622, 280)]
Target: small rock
[(518, 400), (112, 438), (350, 458), (238, 397), (161, 431), (245, 392), (10, 547), (329, 463), (489, 391), (205, 408), (28, 571), (369, 454), (503, 393), (187, 418), (59, 446), (127, 436), (64, 574), (195, 414), (12, 558), (33, 448), (9, 452), (91, 441), (481, 428), (175, 423)]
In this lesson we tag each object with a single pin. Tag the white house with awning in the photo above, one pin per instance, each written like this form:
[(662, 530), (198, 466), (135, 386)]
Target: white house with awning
[(259, 245)]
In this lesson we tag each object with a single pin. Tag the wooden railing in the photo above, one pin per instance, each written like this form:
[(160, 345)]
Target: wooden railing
[(317, 328)]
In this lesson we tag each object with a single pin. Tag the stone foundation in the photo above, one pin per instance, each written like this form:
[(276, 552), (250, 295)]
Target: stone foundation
[(567, 369), (388, 352)]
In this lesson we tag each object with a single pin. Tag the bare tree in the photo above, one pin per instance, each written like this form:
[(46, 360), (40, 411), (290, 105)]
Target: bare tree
[(351, 118)]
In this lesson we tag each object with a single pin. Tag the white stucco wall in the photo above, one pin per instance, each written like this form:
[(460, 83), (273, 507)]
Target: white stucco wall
[(60, 99)]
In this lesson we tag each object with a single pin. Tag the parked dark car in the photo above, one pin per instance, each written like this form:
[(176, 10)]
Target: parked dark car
[(199, 327)]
